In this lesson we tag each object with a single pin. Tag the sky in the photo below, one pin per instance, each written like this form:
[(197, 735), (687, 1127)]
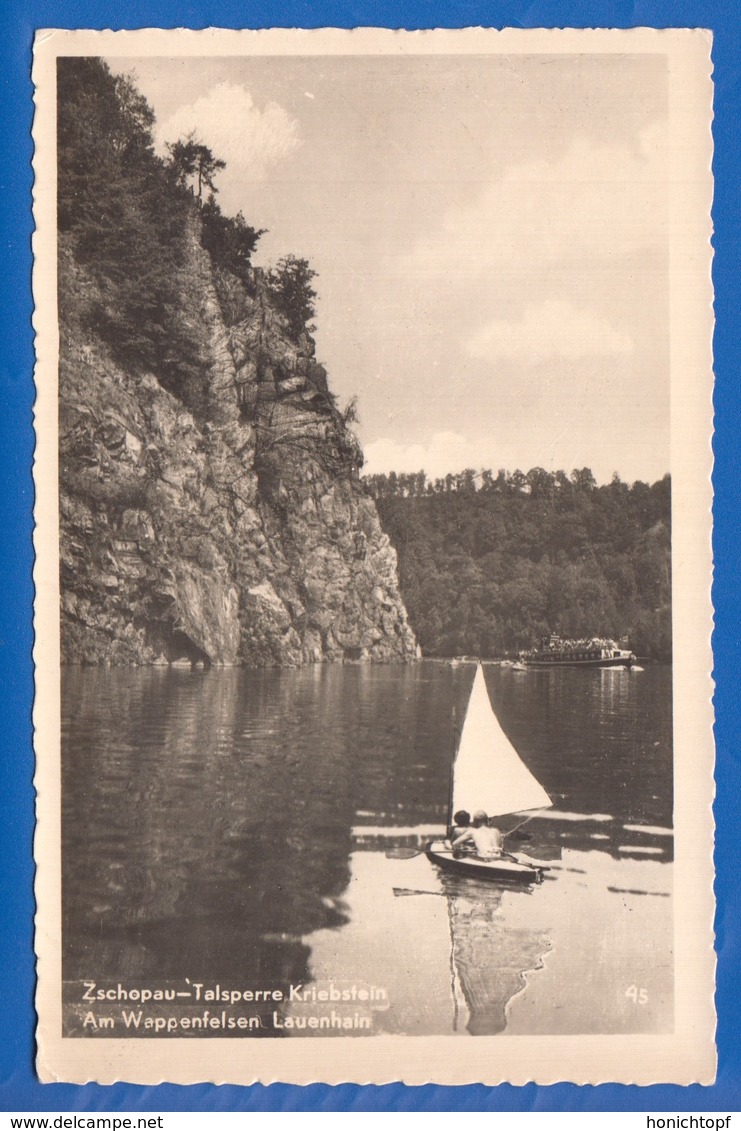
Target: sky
[(490, 235)]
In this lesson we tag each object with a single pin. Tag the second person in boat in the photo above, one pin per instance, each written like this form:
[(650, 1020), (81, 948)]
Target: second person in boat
[(487, 842)]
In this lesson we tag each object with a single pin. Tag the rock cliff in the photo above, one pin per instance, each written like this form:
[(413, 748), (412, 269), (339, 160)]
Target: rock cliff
[(223, 522)]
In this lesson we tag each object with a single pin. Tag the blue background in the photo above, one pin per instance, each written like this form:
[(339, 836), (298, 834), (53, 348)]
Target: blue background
[(19, 1089)]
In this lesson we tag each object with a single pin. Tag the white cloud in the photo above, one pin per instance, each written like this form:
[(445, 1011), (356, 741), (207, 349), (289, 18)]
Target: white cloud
[(443, 452), (589, 202), (553, 441), (551, 329), (235, 129)]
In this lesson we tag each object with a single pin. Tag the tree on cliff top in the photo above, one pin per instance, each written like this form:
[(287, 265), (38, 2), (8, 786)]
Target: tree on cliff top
[(124, 212), (191, 158), (103, 126), (229, 240), (290, 286)]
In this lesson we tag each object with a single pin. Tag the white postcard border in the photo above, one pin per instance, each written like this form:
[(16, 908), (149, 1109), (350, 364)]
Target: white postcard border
[(689, 1054)]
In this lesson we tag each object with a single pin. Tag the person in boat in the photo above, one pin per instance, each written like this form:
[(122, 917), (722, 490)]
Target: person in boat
[(461, 823), (487, 842)]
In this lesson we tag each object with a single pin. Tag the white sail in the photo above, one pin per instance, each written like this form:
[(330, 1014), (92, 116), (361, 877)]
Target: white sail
[(488, 772)]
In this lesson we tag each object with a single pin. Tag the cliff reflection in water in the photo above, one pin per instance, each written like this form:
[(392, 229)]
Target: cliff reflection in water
[(207, 815), (232, 825)]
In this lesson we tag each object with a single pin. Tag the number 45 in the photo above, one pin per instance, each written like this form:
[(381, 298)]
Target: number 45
[(636, 995)]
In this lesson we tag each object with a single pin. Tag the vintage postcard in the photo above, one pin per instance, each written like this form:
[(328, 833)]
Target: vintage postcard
[(373, 717)]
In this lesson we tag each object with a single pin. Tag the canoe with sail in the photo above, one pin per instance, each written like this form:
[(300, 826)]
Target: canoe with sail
[(488, 774)]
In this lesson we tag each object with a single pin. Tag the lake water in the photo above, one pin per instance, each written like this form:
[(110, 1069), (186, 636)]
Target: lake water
[(241, 829)]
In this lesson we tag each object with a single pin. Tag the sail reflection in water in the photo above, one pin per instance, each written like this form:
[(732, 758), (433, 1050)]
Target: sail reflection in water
[(233, 826), (488, 958)]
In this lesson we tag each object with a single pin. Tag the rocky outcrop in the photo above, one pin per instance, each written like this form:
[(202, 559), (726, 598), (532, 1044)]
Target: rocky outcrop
[(222, 522)]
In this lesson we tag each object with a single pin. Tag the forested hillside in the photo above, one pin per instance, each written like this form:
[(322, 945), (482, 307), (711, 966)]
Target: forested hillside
[(488, 564)]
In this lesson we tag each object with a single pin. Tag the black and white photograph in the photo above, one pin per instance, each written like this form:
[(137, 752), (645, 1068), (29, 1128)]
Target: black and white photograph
[(373, 568)]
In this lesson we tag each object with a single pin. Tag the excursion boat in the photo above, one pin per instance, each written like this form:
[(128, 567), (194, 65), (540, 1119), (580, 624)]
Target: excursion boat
[(595, 653), (488, 774)]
